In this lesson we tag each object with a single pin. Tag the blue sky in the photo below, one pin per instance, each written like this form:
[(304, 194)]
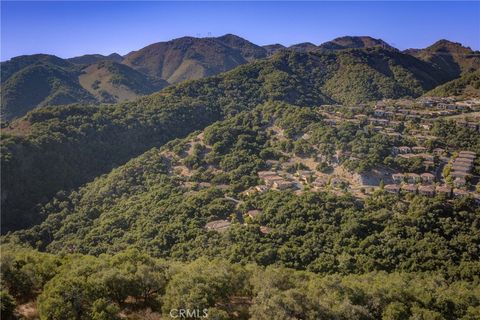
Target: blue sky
[(69, 29)]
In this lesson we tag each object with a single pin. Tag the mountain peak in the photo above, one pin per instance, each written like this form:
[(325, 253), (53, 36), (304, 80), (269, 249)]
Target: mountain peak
[(447, 45), (355, 42)]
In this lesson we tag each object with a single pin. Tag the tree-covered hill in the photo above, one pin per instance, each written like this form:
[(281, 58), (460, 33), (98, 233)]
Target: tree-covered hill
[(468, 85), (29, 82), (65, 147), (83, 142), (38, 85), (161, 201)]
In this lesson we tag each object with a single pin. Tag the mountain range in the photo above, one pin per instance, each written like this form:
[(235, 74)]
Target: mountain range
[(33, 81)]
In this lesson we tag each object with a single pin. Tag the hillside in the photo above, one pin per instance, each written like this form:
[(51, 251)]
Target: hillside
[(82, 141), (193, 58), (450, 57), (94, 58), (29, 82), (161, 201), (38, 85), (468, 85), (112, 82)]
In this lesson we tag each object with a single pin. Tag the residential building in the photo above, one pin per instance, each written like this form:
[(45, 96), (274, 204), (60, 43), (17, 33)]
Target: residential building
[(427, 177), (410, 188), (218, 225), (427, 190), (392, 188)]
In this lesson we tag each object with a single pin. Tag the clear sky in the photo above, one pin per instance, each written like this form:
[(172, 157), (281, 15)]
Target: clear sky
[(69, 29)]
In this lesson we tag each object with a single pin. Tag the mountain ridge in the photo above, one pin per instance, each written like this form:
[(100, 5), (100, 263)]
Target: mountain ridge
[(188, 58)]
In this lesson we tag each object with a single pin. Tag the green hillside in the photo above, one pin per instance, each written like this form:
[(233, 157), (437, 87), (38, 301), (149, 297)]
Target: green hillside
[(83, 142), (468, 85), (160, 202), (29, 82), (134, 240), (39, 85)]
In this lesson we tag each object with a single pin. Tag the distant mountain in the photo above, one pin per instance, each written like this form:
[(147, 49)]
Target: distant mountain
[(29, 82), (272, 48), (112, 82), (40, 80), (303, 47), (112, 78), (451, 57), (349, 42), (193, 58), (8, 68), (94, 58), (468, 85)]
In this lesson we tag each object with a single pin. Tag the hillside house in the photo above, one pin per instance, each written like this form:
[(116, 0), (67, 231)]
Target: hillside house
[(392, 188), (305, 175), (444, 189), (282, 184), (271, 179), (419, 149), (398, 177), (459, 174), (412, 177), (265, 230), (261, 189), (467, 154), (427, 177), (428, 191), (218, 225), (459, 193), (252, 214), (410, 188), (462, 167)]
